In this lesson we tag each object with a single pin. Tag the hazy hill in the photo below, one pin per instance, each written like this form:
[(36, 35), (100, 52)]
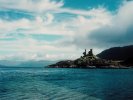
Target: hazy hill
[(40, 63), (117, 53), (9, 63), (2, 66), (30, 63)]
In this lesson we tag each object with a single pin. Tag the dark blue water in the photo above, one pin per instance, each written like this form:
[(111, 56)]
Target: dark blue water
[(66, 84)]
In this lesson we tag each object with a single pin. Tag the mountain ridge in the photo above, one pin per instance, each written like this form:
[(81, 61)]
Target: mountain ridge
[(117, 53)]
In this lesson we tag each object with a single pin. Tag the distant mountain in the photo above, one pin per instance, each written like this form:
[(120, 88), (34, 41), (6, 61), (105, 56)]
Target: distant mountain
[(10, 63), (40, 63), (2, 66), (30, 63), (117, 53)]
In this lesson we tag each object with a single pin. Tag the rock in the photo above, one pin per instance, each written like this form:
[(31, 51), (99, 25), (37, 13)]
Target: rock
[(87, 61)]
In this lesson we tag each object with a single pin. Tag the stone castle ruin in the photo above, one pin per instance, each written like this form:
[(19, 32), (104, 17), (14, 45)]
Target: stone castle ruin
[(88, 60)]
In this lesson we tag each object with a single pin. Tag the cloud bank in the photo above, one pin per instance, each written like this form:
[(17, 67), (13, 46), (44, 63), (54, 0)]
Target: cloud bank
[(97, 28)]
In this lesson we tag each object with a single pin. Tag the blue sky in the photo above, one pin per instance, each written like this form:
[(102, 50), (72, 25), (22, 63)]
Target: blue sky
[(62, 29), (88, 4)]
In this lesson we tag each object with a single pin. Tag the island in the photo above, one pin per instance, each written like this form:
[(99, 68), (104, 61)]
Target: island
[(89, 60)]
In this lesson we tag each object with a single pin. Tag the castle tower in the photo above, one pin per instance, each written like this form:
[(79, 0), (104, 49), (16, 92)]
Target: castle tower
[(84, 53), (90, 53)]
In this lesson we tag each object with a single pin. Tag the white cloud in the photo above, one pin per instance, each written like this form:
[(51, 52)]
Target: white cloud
[(94, 12), (30, 49), (124, 16), (117, 31), (46, 23), (76, 30), (104, 31), (37, 6)]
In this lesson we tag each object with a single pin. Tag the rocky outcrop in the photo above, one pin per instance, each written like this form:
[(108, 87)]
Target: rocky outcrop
[(63, 64), (88, 60)]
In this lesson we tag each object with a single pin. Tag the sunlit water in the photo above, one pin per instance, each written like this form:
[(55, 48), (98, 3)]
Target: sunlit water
[(65, 84)]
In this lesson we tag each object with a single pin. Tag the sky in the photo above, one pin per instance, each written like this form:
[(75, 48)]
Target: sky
[(62, 29)]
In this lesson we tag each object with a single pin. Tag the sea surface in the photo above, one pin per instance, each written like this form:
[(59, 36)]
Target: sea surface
[(65, 84)]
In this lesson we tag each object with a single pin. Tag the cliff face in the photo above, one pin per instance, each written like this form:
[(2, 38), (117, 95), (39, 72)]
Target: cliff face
[(117, 53)]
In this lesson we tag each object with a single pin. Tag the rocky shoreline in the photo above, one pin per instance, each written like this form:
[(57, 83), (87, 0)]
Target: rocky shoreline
[(89, 60)]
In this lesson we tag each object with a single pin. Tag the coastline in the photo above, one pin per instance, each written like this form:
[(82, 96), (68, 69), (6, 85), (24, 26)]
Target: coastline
[(90, 61)]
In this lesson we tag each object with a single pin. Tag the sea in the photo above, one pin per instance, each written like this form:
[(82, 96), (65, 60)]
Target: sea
[(65, 84)]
